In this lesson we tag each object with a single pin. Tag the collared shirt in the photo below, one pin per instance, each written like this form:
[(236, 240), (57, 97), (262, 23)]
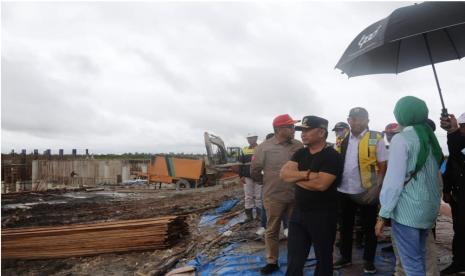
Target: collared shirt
[(415, 204), (269, 157), (351, 182)]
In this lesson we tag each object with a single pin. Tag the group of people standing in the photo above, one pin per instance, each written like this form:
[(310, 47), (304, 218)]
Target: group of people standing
[(321, 187)]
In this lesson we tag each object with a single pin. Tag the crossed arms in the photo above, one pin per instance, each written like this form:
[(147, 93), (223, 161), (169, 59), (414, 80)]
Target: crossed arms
[(313, 181)]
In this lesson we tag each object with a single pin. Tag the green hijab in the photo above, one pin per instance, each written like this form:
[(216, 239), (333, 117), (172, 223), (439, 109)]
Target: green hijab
[(411, 111)]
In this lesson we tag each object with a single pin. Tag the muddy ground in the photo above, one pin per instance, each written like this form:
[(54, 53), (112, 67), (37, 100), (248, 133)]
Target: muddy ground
[(137, 202), (67, 207)]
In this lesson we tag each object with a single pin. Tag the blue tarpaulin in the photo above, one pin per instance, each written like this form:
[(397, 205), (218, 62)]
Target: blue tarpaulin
[(233, 261), (226, 206), (210, 219), (247, 258), (237, 260), (233, 221)]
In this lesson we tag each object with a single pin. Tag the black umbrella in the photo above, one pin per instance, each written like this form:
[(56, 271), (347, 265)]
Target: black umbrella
[(411, 37)]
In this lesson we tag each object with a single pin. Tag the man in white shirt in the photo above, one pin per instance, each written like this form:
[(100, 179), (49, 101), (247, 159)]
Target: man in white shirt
[(365, 161)]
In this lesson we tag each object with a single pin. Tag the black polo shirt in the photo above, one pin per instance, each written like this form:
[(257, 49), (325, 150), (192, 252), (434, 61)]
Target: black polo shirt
[(327, 160)]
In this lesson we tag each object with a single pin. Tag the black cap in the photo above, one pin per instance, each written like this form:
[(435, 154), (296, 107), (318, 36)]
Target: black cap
[(358, 112), (341, 125), (310, 122), (431, 124)]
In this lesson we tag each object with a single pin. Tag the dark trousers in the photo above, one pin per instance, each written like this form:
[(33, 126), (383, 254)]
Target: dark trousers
[(307, 228), (368, 215), (458, 220)]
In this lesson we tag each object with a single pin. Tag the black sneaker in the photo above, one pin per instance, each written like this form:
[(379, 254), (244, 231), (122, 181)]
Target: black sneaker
[(369, 268), (453, 269), (341, 263), (269, 268)]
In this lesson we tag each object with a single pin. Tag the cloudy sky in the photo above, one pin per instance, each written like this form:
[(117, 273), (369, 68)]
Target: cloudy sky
[(118, 77)]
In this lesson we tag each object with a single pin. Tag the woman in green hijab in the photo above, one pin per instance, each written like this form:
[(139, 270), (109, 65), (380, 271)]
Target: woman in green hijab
[(411, 194), (411, 111)]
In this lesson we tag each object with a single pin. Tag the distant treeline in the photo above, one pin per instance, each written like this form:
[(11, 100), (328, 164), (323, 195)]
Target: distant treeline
[(146, 156)]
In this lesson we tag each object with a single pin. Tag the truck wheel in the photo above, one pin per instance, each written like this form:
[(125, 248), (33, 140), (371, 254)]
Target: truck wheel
[(203, 181), (182, 184)]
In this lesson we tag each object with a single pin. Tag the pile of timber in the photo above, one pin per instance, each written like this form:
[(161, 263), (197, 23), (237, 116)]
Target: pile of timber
[(92, 239)]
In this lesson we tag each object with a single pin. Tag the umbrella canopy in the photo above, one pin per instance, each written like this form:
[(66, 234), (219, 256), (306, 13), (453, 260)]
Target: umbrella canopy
[(400, 41), (411, 37)]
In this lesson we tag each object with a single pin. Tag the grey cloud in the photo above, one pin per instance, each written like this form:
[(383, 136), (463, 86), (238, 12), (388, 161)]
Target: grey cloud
[(153, 76), (34, 103), (80, 65), (161, 69)]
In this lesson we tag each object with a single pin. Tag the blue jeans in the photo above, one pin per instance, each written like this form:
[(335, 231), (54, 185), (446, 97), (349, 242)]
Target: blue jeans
[(410, 243)]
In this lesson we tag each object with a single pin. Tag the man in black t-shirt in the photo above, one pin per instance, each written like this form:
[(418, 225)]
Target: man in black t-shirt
[(316, 170)]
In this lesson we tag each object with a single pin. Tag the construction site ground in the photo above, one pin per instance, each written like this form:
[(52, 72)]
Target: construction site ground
[(225, 246)]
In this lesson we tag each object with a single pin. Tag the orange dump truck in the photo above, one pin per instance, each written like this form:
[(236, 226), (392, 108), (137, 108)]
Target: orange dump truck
[(218, 165), (185, 173)]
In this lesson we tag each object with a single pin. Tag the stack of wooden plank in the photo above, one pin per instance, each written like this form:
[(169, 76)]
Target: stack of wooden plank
[(92, 239)]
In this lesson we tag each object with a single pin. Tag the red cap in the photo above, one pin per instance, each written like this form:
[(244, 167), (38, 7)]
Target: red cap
[(392, 128), (284, 120)]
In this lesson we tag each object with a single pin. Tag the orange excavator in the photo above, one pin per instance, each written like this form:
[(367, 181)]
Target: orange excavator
[(220, 164)]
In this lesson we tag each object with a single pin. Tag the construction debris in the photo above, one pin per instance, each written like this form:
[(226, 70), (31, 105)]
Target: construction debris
[(92, 239), (59, 208), (182, 271)]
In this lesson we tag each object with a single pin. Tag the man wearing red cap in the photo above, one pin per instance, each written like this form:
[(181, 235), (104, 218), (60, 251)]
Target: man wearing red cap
[(278, 196), (390, 130)]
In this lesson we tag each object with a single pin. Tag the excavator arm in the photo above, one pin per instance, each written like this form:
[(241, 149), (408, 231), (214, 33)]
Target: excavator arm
[(222, 162), (220, 156)]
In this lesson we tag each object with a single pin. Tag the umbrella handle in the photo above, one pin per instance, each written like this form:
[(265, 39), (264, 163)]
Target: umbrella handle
[(444, 109), (444, 113)]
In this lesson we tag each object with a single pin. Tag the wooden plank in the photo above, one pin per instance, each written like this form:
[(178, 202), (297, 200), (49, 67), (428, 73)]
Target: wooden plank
[(91, 239), (162, 220)]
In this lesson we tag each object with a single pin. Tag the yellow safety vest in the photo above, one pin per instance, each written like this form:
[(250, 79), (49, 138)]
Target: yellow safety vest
[(248, 151), (339, 141), (367, 162)]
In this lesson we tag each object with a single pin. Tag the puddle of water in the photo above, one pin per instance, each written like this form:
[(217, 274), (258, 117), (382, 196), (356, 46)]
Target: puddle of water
[(29, 205), (81, 195), (112, 194), (77, 195)]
